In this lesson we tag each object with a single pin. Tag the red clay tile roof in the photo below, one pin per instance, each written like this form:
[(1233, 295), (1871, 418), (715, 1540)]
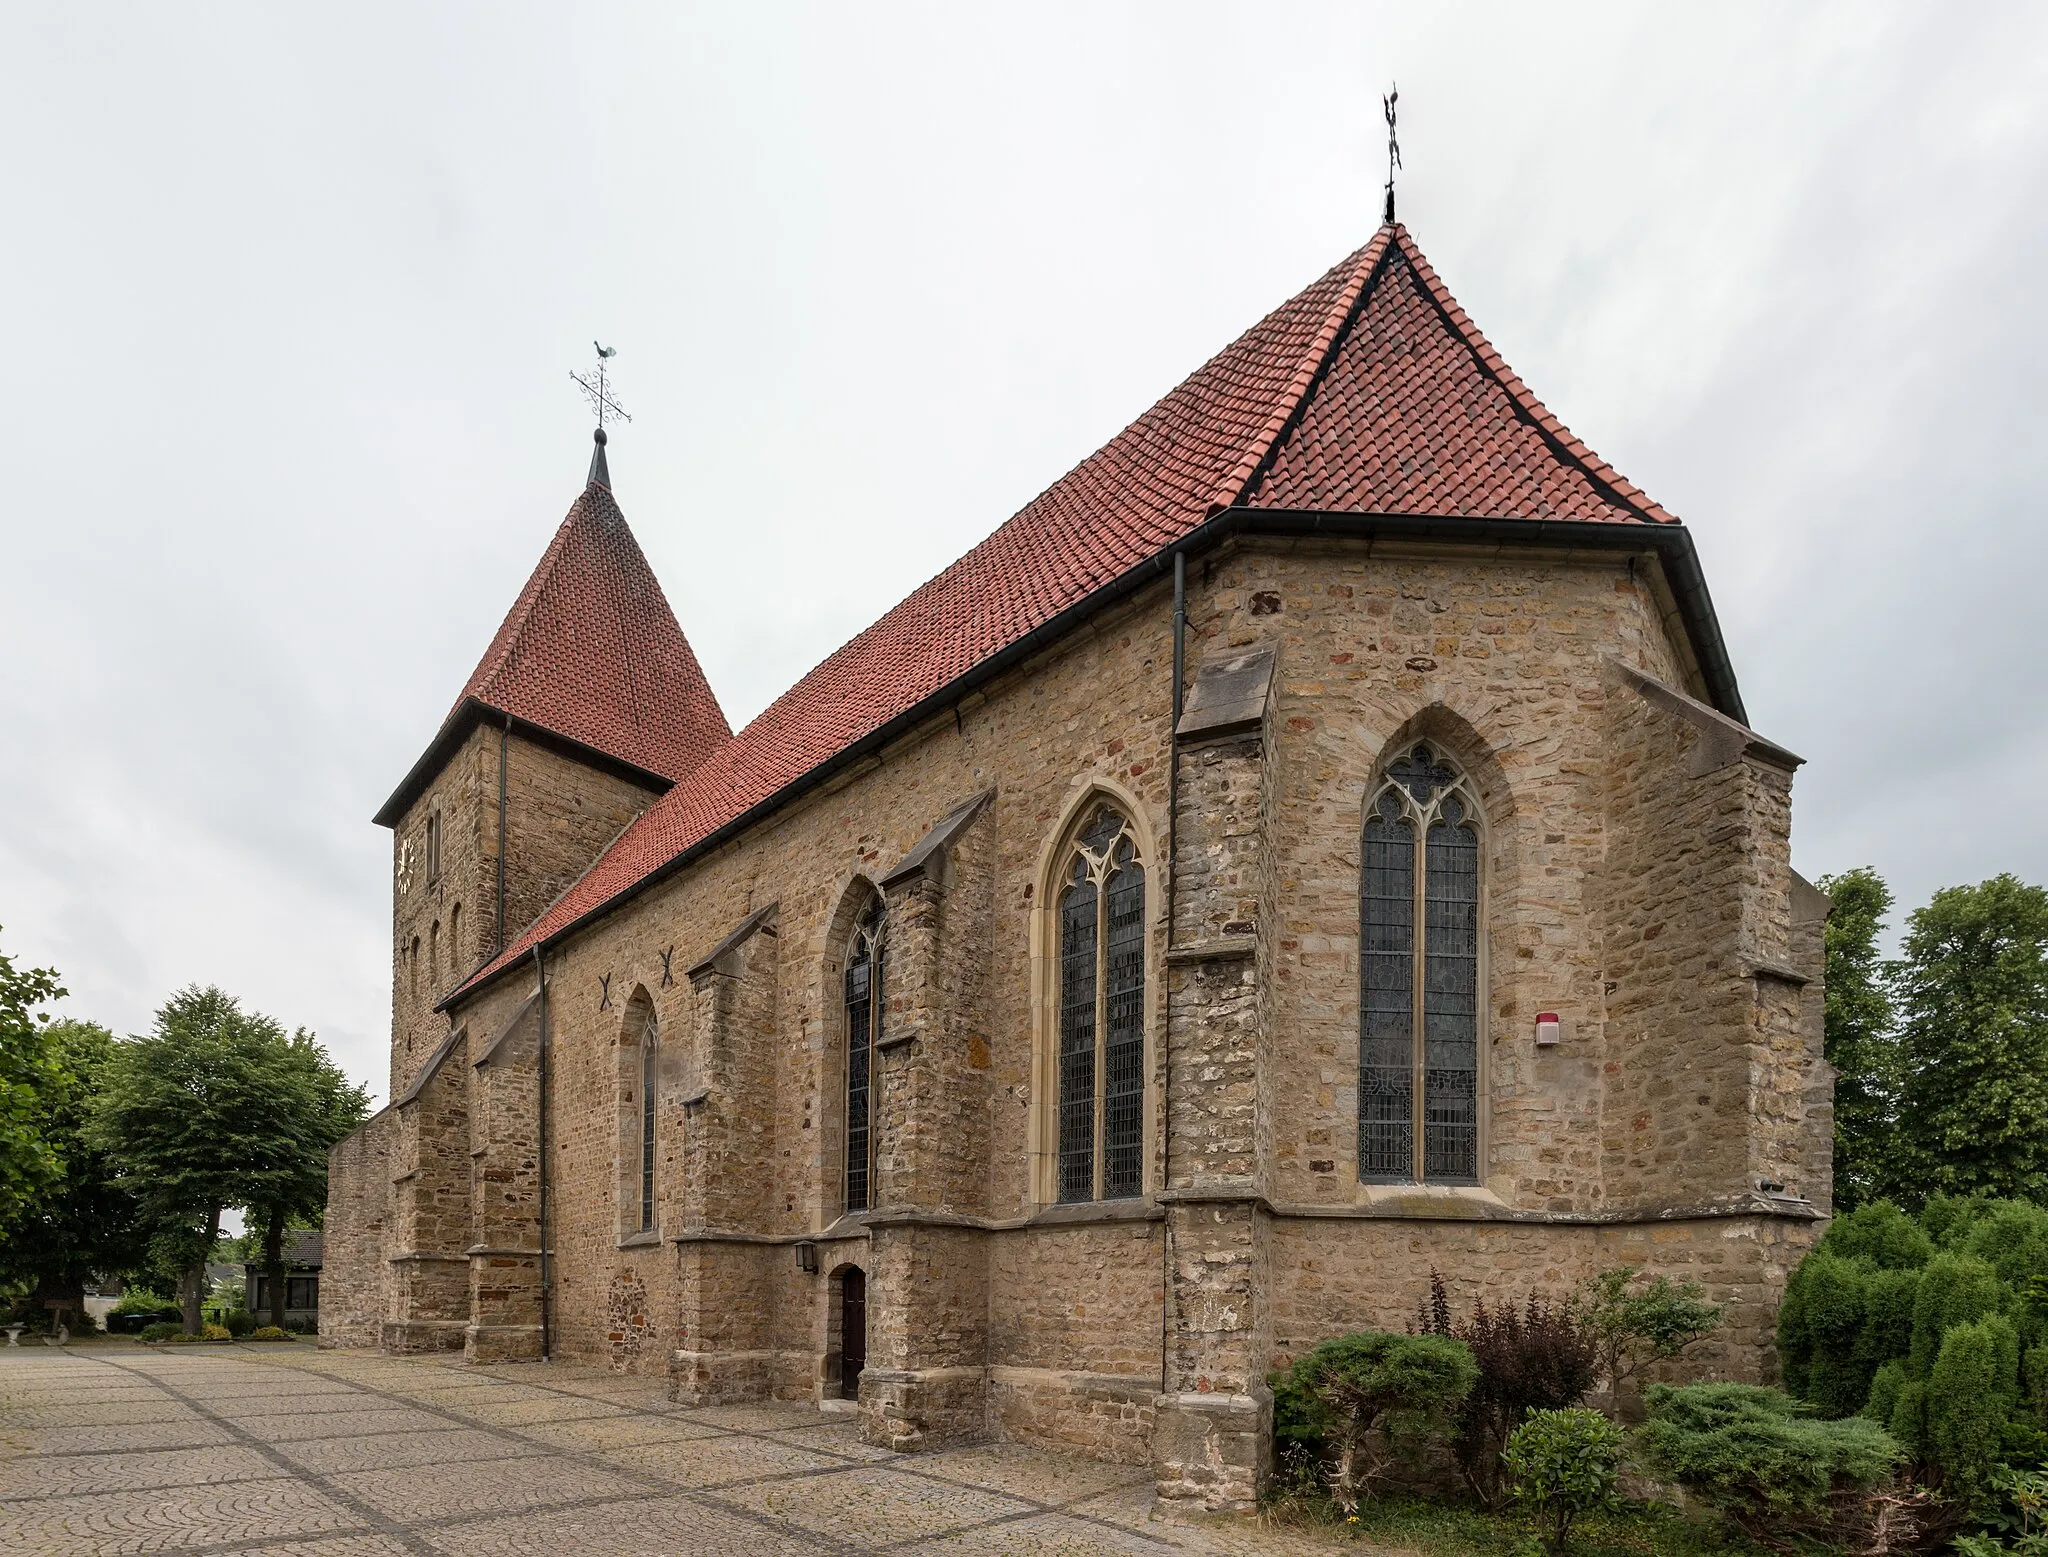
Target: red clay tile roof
[(1368, 391), (590, 650)]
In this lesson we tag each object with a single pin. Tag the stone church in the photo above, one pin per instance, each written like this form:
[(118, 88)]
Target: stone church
[(1316, 841)]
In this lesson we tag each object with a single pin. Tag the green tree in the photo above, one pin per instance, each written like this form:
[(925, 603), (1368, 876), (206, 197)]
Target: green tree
[(85, 1223), (216, 1107), (296, 1195), (1973, 996), (29, 1071), (1860, 1040)]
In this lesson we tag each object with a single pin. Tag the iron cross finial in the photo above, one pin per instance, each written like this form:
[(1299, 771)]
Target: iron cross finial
[(597, 389), (1387, 105)]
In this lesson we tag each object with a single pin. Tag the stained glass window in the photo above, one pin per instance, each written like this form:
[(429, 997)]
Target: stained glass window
[(863, 1027), (647, 1128), (1418, 1049), (1100, 1152)]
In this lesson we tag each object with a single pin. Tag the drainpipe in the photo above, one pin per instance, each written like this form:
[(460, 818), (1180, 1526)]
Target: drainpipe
[(504, 741), (540, 969), (1180, 656)]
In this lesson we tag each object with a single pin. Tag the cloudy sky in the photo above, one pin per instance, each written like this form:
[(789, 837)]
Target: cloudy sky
[(292, 295)]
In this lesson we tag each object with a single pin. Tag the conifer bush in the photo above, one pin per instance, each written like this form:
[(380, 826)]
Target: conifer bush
[(1936, 1328), (1781, 1474)]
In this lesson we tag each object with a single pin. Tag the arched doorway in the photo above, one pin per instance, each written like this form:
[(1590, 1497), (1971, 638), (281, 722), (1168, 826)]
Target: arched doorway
[(853, 1331)]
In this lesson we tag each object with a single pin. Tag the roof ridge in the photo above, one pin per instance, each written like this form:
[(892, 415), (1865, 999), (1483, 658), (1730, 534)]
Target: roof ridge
[(1623, 492), (1244, 476)]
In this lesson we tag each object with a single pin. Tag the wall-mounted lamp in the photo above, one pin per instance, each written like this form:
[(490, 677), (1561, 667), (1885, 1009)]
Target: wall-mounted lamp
[(1548, 1029), (807, 1257)]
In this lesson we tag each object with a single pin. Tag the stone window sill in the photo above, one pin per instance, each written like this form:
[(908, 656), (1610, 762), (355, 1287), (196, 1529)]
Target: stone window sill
[(1437, 1199), (1084, 1212), (646, 1238)]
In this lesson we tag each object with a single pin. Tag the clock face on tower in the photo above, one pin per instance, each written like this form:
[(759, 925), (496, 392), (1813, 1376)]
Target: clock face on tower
[(407, 856)]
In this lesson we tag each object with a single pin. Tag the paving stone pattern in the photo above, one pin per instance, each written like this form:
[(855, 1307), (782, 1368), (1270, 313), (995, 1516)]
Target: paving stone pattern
[(121, 1449)]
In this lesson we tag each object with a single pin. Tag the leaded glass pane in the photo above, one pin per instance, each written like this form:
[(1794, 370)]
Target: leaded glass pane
[(1123, 1100), (1077, 1038), (1386, 1055), (860, 997), (1450, 998), (647, 1131)]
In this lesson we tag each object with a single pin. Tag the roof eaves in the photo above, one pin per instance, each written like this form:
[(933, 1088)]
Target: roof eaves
[(473, 711)]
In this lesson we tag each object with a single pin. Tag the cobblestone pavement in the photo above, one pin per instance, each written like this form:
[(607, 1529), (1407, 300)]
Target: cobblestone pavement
[(117, 1449)]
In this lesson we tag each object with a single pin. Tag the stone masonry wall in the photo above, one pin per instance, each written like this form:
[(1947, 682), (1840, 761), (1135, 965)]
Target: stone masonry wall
[(559, 816), (355, 1280), (1090, 1316)]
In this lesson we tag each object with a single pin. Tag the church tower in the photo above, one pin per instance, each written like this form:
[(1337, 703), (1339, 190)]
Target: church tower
[(587, 706)]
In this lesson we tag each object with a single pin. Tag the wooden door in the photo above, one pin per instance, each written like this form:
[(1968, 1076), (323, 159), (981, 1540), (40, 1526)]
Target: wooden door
[(853, 1332)]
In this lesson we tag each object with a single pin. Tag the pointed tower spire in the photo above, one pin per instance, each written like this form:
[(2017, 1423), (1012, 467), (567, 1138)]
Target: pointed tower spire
[(600, 472)]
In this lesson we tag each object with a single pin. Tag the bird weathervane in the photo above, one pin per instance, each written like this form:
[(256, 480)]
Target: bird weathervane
[(1387, 105), (597, 389)]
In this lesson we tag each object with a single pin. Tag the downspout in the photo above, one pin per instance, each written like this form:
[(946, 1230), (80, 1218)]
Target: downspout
[(504, 741), (540, 969), (1180, 655)]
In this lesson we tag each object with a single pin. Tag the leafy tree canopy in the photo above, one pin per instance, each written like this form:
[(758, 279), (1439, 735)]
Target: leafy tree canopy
[(84, 1222), (219, 1107), (1860, 1041), (29, 1071), (1973, 1002)]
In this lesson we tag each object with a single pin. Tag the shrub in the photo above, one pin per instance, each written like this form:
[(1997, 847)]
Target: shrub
[(1951, 1356), (1880, 1233), (1635, 1322), (2021, 1515), (1342, 1392), (302, 1326), (1955, 1289), (1561, 1464), (1971, 1392), (214, 1333), (268, 1333), (141, 1300), (240, 1322), (1535, 1358), (162, 1330), (1781, 1475)]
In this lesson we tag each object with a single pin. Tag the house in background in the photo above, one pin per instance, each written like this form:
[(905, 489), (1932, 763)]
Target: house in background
[(303, 1248)]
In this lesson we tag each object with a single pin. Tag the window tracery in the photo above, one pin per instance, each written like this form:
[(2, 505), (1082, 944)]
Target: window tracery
[(1419, 971), (865, 957), (1100, 1063)]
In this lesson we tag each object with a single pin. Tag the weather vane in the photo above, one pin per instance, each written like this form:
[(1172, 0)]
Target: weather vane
[(1393, 145), (597, 390)]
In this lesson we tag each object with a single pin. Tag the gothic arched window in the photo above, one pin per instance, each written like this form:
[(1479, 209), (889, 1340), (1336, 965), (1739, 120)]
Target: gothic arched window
[(864, 958), (1418, 1049), (647, 1093), (638, 1058), (1100, 916)]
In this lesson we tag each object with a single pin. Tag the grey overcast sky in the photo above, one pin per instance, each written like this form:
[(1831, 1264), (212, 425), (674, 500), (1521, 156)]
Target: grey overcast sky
[(292, 293)]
